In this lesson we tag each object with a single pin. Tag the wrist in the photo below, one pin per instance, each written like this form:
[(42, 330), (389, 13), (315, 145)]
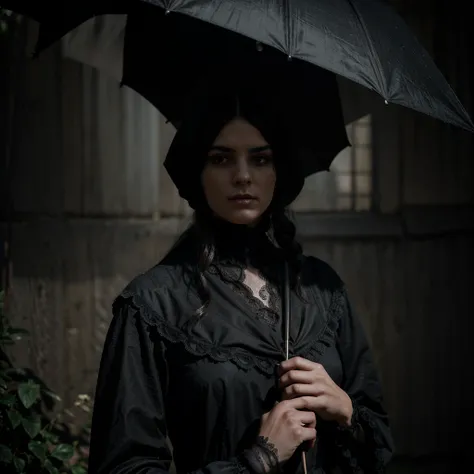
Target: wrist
[(348, 413), (262, 457)]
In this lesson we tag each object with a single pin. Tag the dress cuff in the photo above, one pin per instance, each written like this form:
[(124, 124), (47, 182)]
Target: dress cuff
[(359, 443), (261, 458)]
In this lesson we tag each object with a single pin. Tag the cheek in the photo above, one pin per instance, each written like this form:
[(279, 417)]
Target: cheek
[(212, 184), (269, 183)]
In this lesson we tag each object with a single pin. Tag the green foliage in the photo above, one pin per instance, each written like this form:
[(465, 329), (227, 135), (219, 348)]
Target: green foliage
[(31, 441)]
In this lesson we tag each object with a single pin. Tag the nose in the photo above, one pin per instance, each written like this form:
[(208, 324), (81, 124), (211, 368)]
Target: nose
[(242, 173)]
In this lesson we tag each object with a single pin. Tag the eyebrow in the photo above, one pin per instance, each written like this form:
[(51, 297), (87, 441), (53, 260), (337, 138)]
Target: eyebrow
[(226, 149)]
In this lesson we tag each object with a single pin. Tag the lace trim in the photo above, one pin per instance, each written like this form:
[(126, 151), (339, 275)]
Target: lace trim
[(239, 466), (362, 420), (240, 357), (262, 457), (235, 277), (365, 418)]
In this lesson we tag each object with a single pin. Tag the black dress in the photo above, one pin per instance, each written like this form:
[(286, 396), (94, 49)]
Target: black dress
[(204, 382)]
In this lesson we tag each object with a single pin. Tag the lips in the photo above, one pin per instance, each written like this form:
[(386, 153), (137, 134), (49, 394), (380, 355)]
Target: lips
[(242, 197)]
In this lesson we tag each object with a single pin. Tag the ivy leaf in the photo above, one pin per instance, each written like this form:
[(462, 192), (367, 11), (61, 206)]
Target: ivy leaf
[(78, 470), (32, 426), (19, 464), (50, 437), (28, 392), (38, 449), (48, 465), (63, 452), (14, 417), (6, 455)]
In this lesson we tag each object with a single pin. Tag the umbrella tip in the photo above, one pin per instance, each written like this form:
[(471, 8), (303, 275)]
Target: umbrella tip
[(386, 102)]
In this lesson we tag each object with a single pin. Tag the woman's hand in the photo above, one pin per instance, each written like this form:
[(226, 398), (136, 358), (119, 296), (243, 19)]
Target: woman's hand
[(286, 426), (300, 377)]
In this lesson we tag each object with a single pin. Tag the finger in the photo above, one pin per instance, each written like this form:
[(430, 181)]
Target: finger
[(299, 363), (306, 418), (298, 403), (296, 376), (306, 403), (302, 390), (307, 434)]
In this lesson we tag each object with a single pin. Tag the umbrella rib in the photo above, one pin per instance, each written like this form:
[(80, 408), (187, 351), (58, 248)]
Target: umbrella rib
[(287, 11), (378, 71)]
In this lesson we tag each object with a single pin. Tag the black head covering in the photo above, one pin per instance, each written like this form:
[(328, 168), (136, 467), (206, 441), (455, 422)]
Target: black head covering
[(186, 156), (288, 125)]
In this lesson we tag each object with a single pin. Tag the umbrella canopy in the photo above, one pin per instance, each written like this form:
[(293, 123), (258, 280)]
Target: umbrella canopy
[(303, 99), (365, 41)]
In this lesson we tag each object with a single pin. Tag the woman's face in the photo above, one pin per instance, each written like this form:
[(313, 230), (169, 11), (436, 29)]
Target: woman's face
[(239, 177)]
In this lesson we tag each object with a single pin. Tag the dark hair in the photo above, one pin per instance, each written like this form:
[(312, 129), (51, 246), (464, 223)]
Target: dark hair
[(282, 230)]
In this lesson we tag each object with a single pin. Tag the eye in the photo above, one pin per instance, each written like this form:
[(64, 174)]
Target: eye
[(217, 159), (262, 160)]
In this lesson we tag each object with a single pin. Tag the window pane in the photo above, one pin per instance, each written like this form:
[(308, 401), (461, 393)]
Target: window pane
[(344, 203), (363, 184), (363, 203), (319, 193), (344, 182), (363, 159), (362, 134), (343, 161)]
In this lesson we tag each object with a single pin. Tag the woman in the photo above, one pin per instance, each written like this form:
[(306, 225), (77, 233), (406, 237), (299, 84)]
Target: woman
[(194, 350)]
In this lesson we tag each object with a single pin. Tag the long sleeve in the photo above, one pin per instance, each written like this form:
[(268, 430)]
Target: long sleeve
[(365, 447), (129, 423), (128, 426)]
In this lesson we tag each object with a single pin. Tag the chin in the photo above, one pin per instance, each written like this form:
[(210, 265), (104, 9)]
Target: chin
[(244, 217)]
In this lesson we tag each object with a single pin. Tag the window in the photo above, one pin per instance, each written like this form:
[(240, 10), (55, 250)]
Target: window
[(348, 185)]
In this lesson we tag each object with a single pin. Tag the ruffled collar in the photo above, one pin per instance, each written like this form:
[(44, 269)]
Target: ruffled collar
[(243, 245), (236, 246)]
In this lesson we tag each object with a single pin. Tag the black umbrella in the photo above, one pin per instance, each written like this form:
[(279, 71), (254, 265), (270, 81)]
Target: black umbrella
[(303, 99), (363, 40)]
